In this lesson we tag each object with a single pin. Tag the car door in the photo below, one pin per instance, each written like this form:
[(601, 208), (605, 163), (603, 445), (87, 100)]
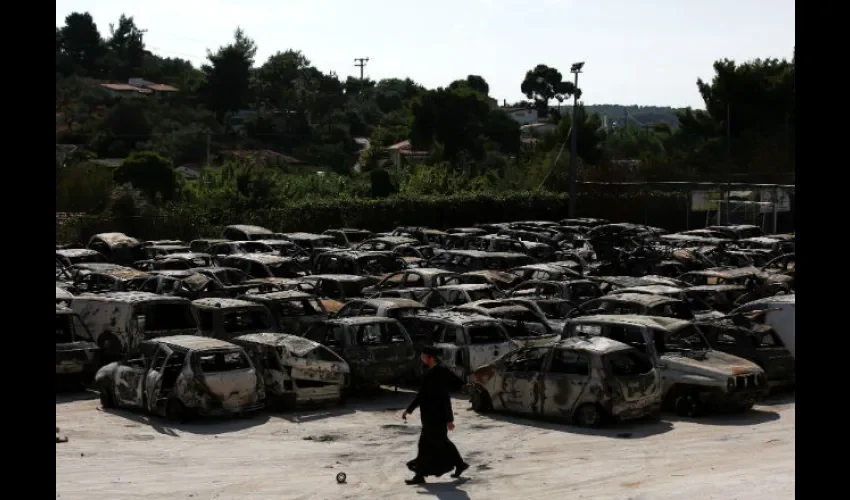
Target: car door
[(153, 378), (521, 381), (565, 381), (128, 382), (454, 351), (485, 343)]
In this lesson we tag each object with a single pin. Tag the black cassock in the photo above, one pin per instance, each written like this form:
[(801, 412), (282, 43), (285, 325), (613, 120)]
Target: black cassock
[(437, 454)]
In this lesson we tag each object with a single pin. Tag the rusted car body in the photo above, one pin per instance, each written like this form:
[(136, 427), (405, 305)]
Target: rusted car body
[(120, 321), (545, 272), (296, 371), (465, 341), (182, 377), (500, 279), (175, 261), (585, 381), (377, 350), (339, 287), (203, 244), (293, 311), (95, 278), (76, 352), (117, 247), (696, 378), (225, 318), (447, 296), (705, 301), (742, 336), (385, 243), (410, 278)]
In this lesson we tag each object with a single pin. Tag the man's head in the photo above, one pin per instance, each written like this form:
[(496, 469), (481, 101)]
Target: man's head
[(429, 356)]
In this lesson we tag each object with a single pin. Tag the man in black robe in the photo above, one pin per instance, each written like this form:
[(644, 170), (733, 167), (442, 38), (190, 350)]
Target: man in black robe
[(437, 454)]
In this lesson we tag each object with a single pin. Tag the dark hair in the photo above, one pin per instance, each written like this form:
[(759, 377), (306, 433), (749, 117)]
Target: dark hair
[(430, 351)]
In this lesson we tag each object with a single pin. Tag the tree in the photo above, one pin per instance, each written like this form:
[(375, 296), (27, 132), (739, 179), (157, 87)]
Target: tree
[(82, 44), (150, 173), (228, 75), (126, 49), (544, 84), (473, 82)]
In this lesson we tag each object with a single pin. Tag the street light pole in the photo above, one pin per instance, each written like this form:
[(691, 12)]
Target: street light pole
[(575, 70)]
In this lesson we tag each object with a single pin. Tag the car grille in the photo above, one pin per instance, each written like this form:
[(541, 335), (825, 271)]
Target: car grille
[(743, 382)]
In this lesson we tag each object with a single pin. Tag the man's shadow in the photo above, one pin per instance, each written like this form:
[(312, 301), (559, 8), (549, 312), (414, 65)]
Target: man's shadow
[(446, 490)]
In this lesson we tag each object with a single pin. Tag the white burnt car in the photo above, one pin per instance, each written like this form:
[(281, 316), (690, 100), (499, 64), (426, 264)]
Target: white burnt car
[(296, 371), (181, 377), (585, 381)]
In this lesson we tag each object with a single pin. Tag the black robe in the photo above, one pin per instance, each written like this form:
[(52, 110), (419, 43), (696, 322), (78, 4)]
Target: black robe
[(437, 454)]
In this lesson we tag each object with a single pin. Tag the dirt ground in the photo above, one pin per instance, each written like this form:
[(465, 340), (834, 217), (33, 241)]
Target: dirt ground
[(121, 454)]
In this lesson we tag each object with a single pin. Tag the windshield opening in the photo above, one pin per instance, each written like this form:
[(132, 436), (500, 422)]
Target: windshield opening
[(302, 307), (487, 333), (168, 316), (246, 320), (224, 361), (286, 269), (684, 339)]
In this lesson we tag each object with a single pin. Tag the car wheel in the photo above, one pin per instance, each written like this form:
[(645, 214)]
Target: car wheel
[(746, 406), (480, 399), (588, 415), (688, 405)]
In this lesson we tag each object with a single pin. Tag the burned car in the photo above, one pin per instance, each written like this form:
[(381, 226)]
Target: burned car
[(63, 296), (574, 290), (523, 320), (348, 237), (457, 295), (296, 371), (225, 248), (245, 232), (76, 352), (644, 304), (383, 307), (410, 278), (182, 377), (544, 272), (585, 381), (377, 350), (118, 248), (120, 321), (175, 262), (360, 263), (293, 311), (263, 265), (465, 341), (500, 279), (70, 256), (339, 287), (464, 261), (100, 277), (696, 378), (746, 338), (227, 318)]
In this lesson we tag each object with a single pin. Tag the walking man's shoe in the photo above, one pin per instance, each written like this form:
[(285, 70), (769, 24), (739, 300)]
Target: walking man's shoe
[(460, 468), (417, 479)]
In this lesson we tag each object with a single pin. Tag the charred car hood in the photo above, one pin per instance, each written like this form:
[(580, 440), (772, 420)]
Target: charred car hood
[(713, 364)]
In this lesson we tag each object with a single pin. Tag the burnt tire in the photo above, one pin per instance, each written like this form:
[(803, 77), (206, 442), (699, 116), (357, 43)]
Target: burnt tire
[(480, 400), (176, 411), (742, 407), (588, 415), (107, 400), (689, 405)]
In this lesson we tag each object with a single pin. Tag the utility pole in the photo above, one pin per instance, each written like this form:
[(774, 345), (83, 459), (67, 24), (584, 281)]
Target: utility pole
[(575, 70), (209, 147), (360, 62)]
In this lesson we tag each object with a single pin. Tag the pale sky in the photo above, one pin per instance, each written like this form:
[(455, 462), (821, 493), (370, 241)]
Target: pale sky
[(646, 52)]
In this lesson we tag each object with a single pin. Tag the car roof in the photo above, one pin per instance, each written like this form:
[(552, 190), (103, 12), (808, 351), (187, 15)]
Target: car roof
[(599, 345), (194, 342), (224, 303), (632, 320)]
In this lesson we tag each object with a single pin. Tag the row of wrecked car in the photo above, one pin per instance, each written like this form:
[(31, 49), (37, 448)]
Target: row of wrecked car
[(552, 319)]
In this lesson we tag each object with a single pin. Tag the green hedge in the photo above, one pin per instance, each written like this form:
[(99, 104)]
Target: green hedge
[(662, 209)]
